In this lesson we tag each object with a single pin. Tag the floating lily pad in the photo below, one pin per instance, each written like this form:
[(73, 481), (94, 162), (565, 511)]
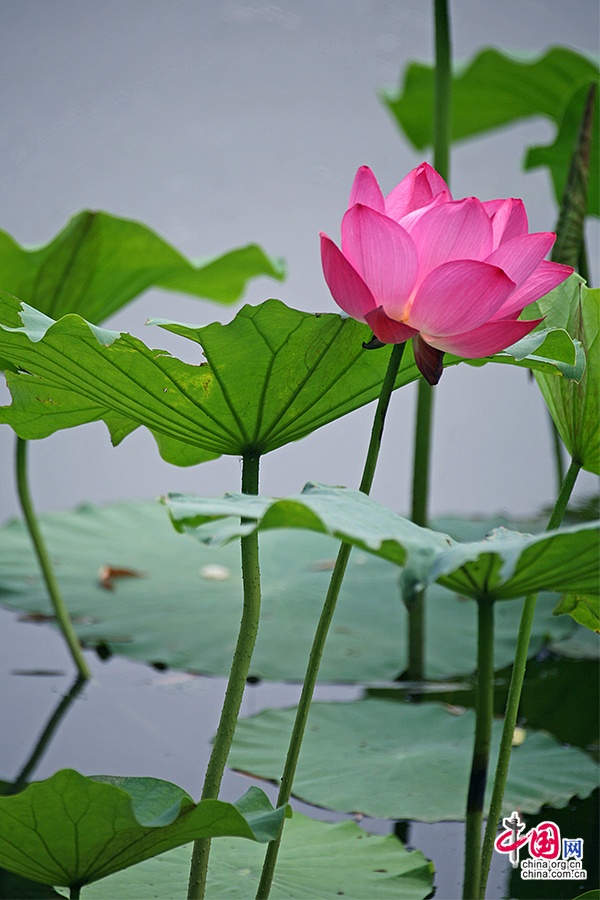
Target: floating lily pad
[(345, 861), (178, 614), (553, 688), (71, 830), (404, 761)]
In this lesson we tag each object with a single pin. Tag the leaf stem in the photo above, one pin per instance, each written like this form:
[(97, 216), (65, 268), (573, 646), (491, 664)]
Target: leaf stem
[(240, 667), (320, 637), (514, 692), (557, 445), (484, 710), (43, 557)]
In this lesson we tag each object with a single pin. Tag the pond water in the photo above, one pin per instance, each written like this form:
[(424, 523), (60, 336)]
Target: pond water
[(223, 123), (135, 720)]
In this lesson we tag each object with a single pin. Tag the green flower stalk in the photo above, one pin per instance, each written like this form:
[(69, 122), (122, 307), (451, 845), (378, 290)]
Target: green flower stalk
[(442, 113), (322, 631)]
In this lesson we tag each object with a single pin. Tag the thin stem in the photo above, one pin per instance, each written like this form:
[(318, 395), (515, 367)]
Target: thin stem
[(43, 557), (237, 679), (442, 100), (75, 892), (557, 444), (562, 501), (514, 692), (442, 123), (320, 637), (481, 752)]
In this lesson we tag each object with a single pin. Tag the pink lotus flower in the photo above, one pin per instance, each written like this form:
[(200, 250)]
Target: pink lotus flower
[(454, 275)]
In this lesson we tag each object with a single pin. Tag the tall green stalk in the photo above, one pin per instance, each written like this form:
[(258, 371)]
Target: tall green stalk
[(557, 446), (442, 100), (43, 557), (442, 106), (240, 667), (320, 637), (484, 709), (514, 692)]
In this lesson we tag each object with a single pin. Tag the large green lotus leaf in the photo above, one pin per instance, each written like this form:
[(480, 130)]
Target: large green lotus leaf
[(348, 515), (404, 760), (184, 610), (99, 262), (557, 156), (585, 610), (548, 350), (273, 375), (575, 407), (494, 90), (505, 565), (316, 860), (72, 830), (508, 564)]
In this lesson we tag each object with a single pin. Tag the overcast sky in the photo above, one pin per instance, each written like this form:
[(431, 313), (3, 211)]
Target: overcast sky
[(222, 123)]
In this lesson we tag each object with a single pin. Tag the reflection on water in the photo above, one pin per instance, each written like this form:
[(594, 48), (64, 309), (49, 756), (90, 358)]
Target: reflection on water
[(134, 720)]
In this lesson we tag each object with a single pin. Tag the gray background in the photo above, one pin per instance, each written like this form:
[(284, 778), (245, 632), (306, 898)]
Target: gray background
[(222, 123)]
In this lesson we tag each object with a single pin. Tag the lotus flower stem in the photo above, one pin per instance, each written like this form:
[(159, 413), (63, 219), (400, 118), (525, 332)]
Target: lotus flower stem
[(240, 667), (424, 416), (43, 557), (481, 752), (514, 691), (442, 109), (421, 470), (320, 637)]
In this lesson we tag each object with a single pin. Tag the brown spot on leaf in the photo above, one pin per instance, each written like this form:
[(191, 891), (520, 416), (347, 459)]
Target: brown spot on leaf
[(108, 574)]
